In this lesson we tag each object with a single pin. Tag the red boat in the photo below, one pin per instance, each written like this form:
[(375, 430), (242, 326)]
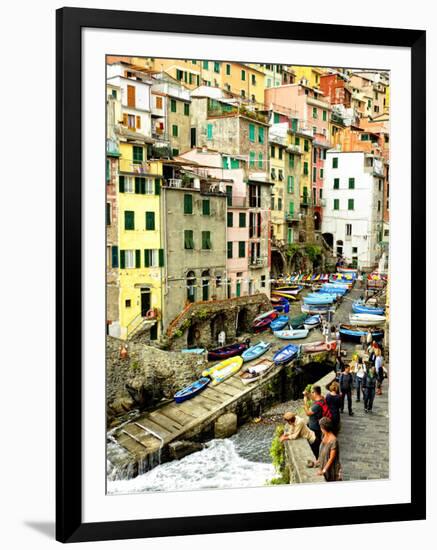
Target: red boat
[(227, 351), (263, 324)]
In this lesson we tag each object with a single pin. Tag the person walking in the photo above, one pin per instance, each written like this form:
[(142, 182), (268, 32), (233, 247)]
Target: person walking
[(359, 372), (363, 342), (333, 401), (369, 385), (379, 371), (346, 385), (329, 457), (369, 337)]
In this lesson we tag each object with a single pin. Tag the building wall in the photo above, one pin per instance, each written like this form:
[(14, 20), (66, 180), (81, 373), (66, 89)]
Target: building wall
[(181, 142), (112, 283), (365, 219)]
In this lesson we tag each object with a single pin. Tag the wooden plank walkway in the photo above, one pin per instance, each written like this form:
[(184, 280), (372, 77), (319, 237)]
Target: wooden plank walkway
[(153, 430)]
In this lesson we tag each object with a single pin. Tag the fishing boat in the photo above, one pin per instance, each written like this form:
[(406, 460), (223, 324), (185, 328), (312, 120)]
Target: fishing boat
[(293, 334), (294, 290), (227, 351), (314, 309), (256, 371), (347, 270), (353, 333), (225, 370), (319, 300), (325, 289), (366, 319), (284, 295), (231, 362), (265, 314), (263, 324), (312, 322), (192, 390), (255, 351), (359, 307), (316, 347), (297, 321), (199, 351), (285, 354), (279, 322)]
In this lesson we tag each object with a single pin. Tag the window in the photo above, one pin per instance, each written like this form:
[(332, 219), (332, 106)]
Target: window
[(314, 112), (324, 116), (350, 204), (294, 122), (137, 154), (263, 281), (306, 145), (216, 67), (336, 204), (174, 130), (205, 65), (291, 160), (297, 141), (150, 221), (379, 206), (305, 168), (206, 207), (290, 235), (243, 93), (188, 204), (280, 153), (158, 102), (114, 94), (290, 184), (179, 74), (314, 174), (206, 240), (243, 75), (129, 259), (379, 185), (261, 135), (175, 152), (229, 195), (115, 256), (336, 183), (272, 205), (276, 118), (273, 173), (272, 151), (241, 249), (235, 163), (260, 160), (229, 249), (129, 219), (252, 133), (230, 219), (127, 303), (173, 106), (291, 209), (279, 203), (320, 193), (186, 109), (253, 80), (321, 173), (242, 220), (348, 229), (188, 239), (335, 162), (108, 213), (252, 159), (225, 163), (280, 174), (351, 183), (354, 250), (209, 131), (228, 69)]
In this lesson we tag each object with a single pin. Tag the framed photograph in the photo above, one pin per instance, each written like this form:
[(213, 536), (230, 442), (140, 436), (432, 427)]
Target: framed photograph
[(240, 236)]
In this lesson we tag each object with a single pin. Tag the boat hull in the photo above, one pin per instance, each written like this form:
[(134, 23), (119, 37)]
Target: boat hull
[(226, 352), (192, 390), (354, 333), (366, 320), (297, 334), (285, 354), (255, 351), (256, 371)]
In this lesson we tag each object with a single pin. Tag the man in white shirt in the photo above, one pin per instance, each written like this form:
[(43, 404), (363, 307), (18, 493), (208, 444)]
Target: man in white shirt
[(296, 427)]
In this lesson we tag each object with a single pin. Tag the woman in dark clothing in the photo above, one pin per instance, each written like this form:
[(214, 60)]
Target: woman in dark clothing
[(329, 456), (333, 401), (369, 387)]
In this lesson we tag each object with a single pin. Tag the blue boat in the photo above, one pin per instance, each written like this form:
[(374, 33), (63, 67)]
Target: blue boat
[(279, 322), (312, 322), (333, 290), (199, 351), (354, 333), (285, 354), (359, 307), (319, 299), (255, 351), (192, 390)]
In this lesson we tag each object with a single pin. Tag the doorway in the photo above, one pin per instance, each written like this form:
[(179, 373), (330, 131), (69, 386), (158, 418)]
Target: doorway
[(146, 301), (193, 137)]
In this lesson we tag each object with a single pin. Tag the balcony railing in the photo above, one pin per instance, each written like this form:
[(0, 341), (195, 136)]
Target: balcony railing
[(257, 262), (239, 202), (306, 200), (291, 217), (293, 149)]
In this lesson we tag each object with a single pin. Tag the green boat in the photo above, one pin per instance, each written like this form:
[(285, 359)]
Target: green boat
[(297, 321)]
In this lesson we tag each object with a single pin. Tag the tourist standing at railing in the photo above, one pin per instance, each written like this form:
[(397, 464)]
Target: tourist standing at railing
[(295, 428), (314, 414)]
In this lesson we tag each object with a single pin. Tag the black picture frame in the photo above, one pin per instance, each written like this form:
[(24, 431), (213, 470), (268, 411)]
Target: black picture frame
[(70, 22)]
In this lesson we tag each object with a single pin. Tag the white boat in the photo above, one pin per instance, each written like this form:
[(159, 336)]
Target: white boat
[(295, 334), (366, 319), (263, 315)]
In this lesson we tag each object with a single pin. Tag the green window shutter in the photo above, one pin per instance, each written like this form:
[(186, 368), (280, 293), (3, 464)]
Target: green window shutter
[(228, 69), (122, 259), (314, 174), (241, 249), (175, 152), (229, 195), (243, 75), (137, 154), (150, 221), (161, 257), (121, 184), (190, 78), (129, 219), (306, 145), (188, 239), (336, 183), (188, 204), (229, 249), (146, 258), (108, 170), (350, 204), (216, 67), (324, 116), (174, 130), (252, 132), (225, 163), (336, 204), (305, 168), (321, 173), (209, 131), (290, 184), (297, 141), (206, 240), (173, 105), (108, 213), (280, 153), (314, 112), (235, 163), (335, 162), (252, 159), (294, 124), (260, 160), (186, 109), (143, 186), (261, 134), (205, 65), (272, 151), (351, 183), (230, 221), (206, 210), (291, 208), (198, 80), (157, 186), (137, 186), (115, 256), (291, 160), (242, 219), (276, 118), (137, 258)]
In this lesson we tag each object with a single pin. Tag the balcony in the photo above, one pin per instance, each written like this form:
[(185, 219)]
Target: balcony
[(291, 218), (294, 149), (238, 202), (306, 200), (257, 263), (112, 148)]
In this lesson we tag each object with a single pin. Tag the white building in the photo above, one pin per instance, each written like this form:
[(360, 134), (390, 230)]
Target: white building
[(353, 212)]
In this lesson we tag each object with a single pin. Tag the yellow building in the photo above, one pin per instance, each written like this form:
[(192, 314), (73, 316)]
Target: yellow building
[(141, 255), (310, 74), (303, 145)]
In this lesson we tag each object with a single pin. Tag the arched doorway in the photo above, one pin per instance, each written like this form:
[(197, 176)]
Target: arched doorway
[(339, 248), (329, 239), (193, 335), (205, 285), (217, 324), (242, 321), (317, 221), (278, 265), (191, 286)]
